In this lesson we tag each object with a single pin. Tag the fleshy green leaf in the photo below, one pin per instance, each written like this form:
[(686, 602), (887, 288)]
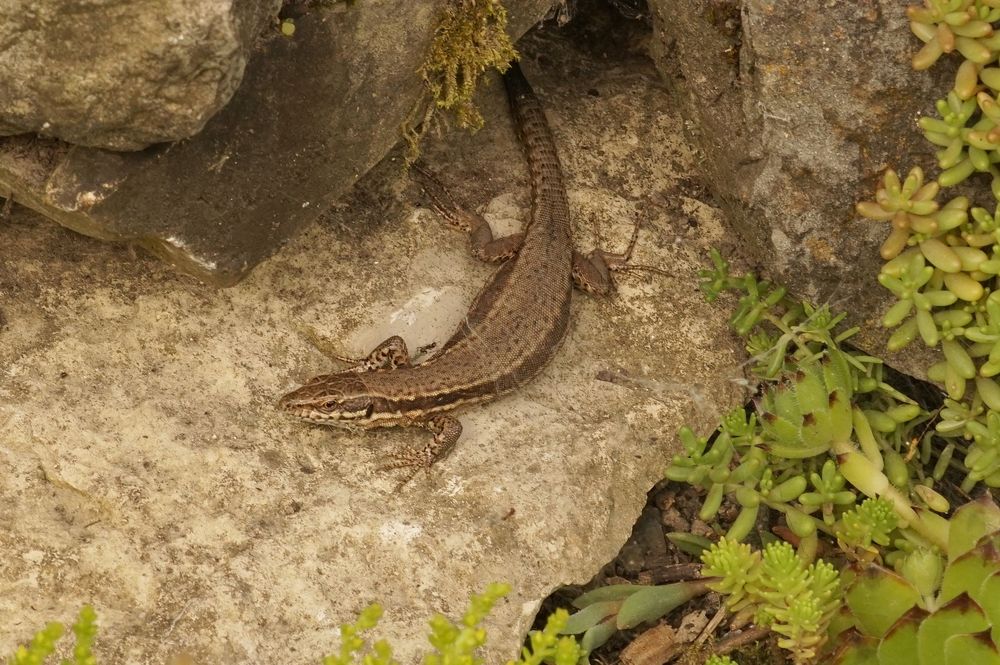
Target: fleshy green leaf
[(878, 598), (962, 615), (653, 602)]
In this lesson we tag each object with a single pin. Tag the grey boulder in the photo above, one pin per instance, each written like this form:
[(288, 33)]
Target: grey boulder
[(122, 75)]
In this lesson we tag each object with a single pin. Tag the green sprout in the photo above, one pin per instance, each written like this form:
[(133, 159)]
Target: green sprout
[(456, 643), (870, 523), (828, 492), (550, 646), (43, 644), (352, 644), (720, 660)]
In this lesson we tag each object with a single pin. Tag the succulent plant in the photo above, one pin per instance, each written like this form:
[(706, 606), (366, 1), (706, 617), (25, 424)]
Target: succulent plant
[(867, 525), (934, 609), (608, 609), (826, 431), (720, 660), (780, 589), (909, 204), (922, 588), (916, 217), (943, 261), (966, 148), (810, 409), (944, 275), (954, 25)]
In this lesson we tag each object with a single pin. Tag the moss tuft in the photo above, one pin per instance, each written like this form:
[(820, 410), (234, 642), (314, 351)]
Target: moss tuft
[(470, 38)]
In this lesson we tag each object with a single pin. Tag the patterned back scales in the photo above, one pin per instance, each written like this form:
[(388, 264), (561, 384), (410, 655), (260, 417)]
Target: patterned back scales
[(515, 298)]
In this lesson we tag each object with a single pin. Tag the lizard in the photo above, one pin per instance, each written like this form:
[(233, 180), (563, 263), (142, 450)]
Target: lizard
[(514, 326)]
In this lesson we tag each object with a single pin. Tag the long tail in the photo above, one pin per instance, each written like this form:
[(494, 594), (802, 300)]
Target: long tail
[(548, 192)]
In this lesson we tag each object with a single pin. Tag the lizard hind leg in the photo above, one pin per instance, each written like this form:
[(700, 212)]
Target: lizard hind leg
[(483, 245), (592, 272)]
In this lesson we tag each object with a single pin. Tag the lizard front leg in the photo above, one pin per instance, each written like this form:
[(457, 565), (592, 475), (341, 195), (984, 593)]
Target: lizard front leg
[(390, 354), (446, 430)]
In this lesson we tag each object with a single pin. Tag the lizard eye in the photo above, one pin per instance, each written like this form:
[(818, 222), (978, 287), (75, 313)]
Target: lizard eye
[(330, 405)]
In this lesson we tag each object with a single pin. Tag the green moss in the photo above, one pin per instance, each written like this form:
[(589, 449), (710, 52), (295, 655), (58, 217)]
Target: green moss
[(470, 38)]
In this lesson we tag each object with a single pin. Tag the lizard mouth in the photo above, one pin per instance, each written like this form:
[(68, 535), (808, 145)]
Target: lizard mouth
[(343, 414), (320, 417)]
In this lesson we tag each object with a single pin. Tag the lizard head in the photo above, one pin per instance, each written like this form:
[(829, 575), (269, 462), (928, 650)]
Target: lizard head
[(331, 399)]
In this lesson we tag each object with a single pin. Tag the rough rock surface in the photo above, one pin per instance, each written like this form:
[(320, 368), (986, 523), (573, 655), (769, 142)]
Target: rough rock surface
[(798, 106), (312, 115), (122, 75), (146, 470)]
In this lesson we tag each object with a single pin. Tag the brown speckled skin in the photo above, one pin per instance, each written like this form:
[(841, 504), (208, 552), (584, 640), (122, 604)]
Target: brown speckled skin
[(515, 324)]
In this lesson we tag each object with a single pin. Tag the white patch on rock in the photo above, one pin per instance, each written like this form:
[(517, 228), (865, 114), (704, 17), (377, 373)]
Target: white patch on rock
[(400, 533)]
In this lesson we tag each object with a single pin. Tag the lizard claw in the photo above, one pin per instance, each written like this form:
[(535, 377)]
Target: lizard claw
[(446, 431), (412, 461)]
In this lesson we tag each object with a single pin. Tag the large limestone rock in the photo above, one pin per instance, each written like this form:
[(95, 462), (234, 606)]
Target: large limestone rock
[(314, 113), (144, 468), (798, 105), (122, 75)]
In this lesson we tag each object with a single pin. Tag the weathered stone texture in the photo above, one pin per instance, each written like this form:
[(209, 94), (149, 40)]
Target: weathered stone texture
[(122, 75), (314, 113), (145, 469), (798, 106)]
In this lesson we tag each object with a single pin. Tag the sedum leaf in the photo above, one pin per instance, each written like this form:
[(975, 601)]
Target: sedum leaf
[(878, 598)]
